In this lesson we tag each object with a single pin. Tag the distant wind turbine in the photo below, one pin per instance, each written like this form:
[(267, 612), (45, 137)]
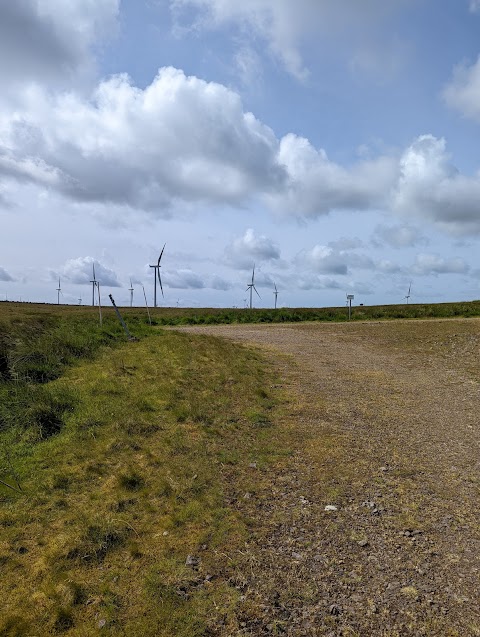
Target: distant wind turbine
[(156, 271), (251, 287), (59, 290), (94, 283), (409, 290), (130, 289), (276, 294)]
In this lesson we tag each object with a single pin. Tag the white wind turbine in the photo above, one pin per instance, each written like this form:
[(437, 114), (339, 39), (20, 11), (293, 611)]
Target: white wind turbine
[(251, 287), (94, 283), (276, 294), (130, 289), (156, 274), (409, 290)]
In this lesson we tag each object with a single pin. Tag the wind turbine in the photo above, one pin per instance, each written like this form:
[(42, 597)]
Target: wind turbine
[(130, 289), (59, 290), (94, 283), (146, 304), (251, 286), (409, 290), (276, 294), (156, 272)]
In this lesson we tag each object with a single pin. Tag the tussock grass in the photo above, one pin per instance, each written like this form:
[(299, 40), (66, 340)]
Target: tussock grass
[(128, 464)]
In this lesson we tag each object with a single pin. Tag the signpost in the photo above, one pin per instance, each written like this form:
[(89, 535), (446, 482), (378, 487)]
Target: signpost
[(350, 298)]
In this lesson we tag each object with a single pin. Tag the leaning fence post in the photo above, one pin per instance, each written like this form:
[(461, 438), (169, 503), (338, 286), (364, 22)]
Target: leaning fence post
[(129, 336)]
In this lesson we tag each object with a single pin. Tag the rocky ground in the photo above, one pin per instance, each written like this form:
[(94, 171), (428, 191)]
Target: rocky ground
[(371, 527)]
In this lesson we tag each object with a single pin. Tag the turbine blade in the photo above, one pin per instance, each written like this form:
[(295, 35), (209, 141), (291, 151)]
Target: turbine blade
[(257, 292), (161, 253), (160, 281)]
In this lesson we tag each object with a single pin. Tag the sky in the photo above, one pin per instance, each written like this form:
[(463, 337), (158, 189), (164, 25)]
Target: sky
[(332, 144)]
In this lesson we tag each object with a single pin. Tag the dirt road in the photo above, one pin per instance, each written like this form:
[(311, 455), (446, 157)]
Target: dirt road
[(384, 422)]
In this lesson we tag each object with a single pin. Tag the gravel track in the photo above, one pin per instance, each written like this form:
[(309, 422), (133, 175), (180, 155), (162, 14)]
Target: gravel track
[(384, 423)]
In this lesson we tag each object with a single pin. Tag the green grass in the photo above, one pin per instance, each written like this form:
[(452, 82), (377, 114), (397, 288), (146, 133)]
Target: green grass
[(126, 464), (212, 316), (137, 317)]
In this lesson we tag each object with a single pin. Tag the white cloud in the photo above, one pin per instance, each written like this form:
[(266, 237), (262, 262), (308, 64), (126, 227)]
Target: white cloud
[(179, 139), (327, 260), (248, 66), (430, 187), (80, 271), (388, 267), (218, 283), (244, 251), (324, 260), (403, 236), (428, 264), (475, 6), (186, 279), (287, 26), (315, 185), (183, 141), (5, 276), (361, 287), (41, 40), (182, 279), (313, 282), (463, 91)]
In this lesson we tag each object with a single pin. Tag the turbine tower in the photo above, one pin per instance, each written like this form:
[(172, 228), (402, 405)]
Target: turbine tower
[(130, 289), (251, 287), (276, 294), (59, 289), (156, 272), (409, 290), (94, 283)]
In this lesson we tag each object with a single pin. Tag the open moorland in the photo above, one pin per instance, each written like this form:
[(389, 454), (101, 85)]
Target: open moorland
[(319, 478)]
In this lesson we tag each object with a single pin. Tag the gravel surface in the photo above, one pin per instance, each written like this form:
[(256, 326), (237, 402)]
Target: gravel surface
[(371, 527)]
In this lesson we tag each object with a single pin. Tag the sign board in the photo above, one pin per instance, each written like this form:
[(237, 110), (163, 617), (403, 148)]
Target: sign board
[(350, 297)]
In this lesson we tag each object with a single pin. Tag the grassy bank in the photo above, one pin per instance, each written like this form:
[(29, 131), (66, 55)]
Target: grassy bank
[(124, 518)]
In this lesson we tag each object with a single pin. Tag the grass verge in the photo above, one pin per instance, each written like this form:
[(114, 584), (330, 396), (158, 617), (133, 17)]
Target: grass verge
[(127, 521)]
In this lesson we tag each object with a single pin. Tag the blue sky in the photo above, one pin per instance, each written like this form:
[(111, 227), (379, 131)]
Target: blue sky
[(333, 144)]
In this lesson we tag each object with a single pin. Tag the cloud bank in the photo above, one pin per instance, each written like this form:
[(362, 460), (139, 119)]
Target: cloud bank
[(244, 251), (463, 91), (45, 41), (80, 271), (5, 276), (287, 26), (183, 141)]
